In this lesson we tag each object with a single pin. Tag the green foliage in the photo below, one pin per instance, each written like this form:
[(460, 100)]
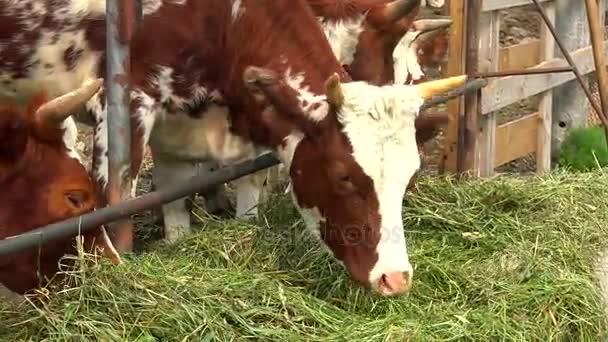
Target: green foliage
[(495, 259), (584, 149)]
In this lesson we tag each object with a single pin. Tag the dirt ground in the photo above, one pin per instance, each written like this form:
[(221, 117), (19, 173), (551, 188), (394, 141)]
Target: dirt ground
[(518, 25)]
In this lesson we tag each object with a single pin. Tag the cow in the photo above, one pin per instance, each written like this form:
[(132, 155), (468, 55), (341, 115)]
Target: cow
[(269, 81), (372, 48), (43, 181)]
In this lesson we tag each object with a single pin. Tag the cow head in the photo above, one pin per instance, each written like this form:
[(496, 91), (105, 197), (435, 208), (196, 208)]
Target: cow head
[(41, 177), (425, 45), (349, 168), (380, 30)]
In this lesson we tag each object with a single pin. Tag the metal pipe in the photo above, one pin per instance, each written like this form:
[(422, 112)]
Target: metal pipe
[(74, 225), (520, 72), (120, 24), (597, 43), (201, 183), (568, 58)]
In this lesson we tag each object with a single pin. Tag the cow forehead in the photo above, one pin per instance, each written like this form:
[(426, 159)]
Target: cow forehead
[(380, 128)]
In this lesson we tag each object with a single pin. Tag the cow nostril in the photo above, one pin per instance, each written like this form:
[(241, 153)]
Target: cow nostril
[(395, 282), (76, 199)]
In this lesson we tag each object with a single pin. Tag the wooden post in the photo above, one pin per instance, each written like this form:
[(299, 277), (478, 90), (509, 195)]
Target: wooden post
[(469, 161), (545, 108), (597, 33), (489, 47), (455, 66), (570, 106)]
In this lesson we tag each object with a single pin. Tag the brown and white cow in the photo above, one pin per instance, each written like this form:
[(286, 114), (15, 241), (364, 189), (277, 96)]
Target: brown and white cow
[(373, 47), (270, 81), (43, 181)]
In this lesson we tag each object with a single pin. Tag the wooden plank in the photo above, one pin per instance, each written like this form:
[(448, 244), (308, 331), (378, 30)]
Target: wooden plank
[(489, 48), (516, 139), (520, 56), (455, 67), (545, 108), (493, 5), (469, 160), (501, 92)]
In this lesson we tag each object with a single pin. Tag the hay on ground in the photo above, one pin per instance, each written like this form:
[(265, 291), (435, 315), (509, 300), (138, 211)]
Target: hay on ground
[(495, 259)]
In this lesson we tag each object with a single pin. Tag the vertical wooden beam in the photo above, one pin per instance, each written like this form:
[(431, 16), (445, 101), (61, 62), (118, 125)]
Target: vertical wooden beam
[(489, 51), (455, 67), (545, 108), (597, 33), (469, 127)]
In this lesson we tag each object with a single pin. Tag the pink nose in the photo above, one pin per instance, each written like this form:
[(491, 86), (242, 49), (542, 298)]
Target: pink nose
[(394, 283)]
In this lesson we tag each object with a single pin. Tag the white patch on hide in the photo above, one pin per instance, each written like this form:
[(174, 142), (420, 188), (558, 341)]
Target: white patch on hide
[(70, 137), (288, 148), (237, 9), (48, 70), (204, 139), (312, 104), (405, 60), (432, 3), (343, 36)]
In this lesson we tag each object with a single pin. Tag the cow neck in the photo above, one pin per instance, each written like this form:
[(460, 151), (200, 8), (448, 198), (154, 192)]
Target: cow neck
[(301, 57)]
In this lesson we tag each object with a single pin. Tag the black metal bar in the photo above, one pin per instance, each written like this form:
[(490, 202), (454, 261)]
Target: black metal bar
[(73, 226)]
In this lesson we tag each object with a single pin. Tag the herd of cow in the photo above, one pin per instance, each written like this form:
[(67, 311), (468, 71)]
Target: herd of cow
[(333, 87)]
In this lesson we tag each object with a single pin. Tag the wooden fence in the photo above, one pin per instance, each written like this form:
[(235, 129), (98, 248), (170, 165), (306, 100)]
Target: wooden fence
[(495, 145)]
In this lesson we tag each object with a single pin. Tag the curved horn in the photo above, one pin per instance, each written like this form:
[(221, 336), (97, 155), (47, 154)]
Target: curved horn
[(425, 25), (57, 110), (434, 88), (399, 8), (426, 36)]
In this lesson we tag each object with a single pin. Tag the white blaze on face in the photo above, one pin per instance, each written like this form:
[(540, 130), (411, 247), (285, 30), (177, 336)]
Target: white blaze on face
[(379, 122), (343, 37), (405, 60)]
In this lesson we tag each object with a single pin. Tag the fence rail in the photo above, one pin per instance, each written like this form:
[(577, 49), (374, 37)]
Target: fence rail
[(494, 145)]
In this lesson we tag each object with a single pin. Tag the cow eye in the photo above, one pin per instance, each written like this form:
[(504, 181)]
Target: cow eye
[(345, 179)]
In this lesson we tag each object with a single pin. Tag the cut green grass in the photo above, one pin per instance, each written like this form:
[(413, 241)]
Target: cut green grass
[(495, 259)]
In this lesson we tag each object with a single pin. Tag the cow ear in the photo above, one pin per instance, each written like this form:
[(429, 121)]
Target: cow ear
[(428, 125), (264, 83)]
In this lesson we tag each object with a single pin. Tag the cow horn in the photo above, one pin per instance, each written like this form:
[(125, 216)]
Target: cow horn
[(399, 8), (433, 88), (425, 25), (60, 108), (333, 91), (426, 36)]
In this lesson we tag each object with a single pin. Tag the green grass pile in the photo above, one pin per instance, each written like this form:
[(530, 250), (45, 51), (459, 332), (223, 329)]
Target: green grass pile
[(584, 149), (495, 259)]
